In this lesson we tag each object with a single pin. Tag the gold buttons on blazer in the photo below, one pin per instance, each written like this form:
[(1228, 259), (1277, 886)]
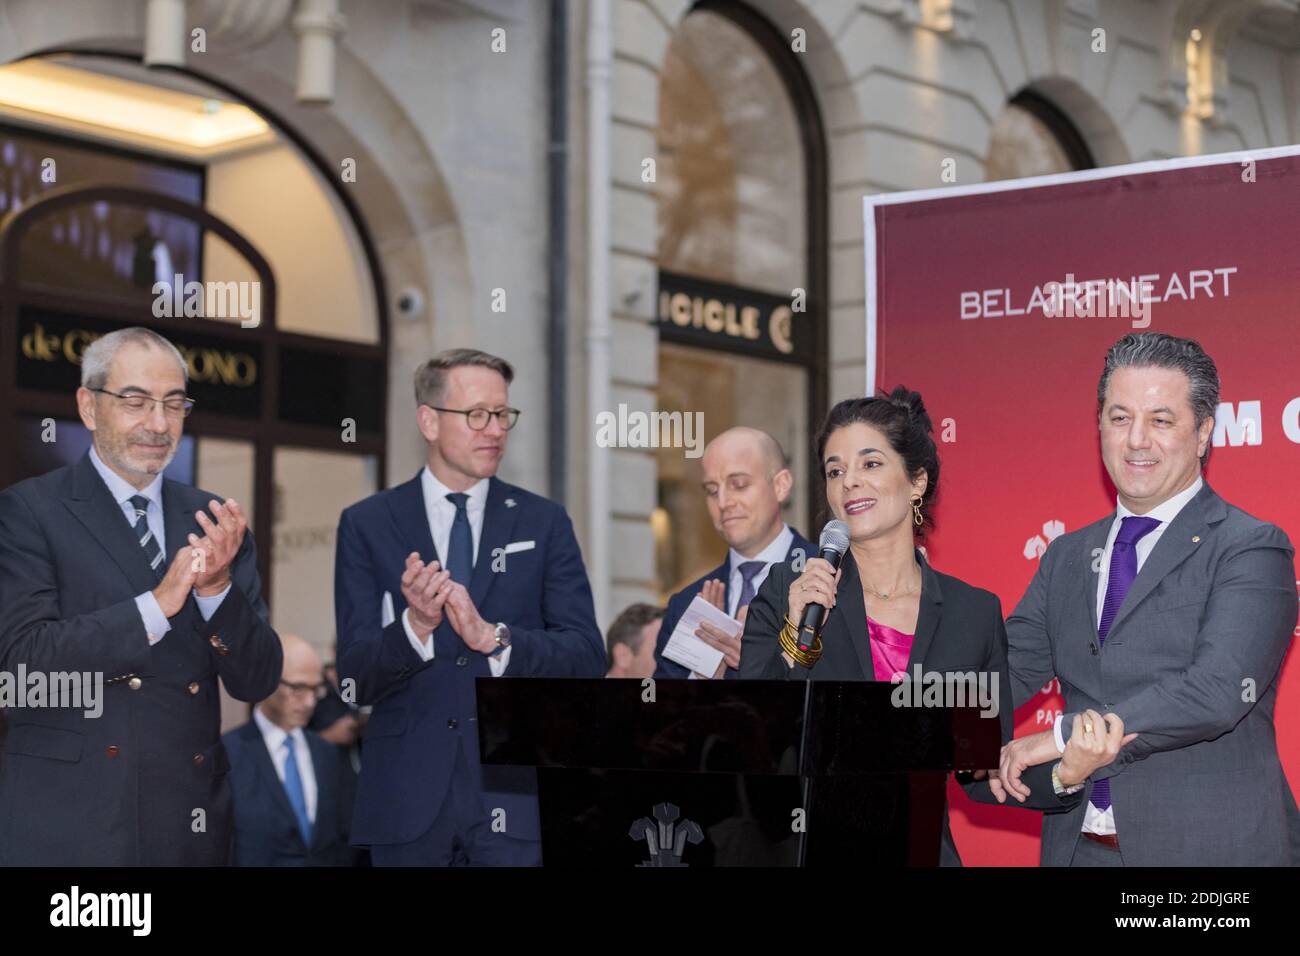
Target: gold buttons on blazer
[(135, 683), (1196, 539), (194, 688)]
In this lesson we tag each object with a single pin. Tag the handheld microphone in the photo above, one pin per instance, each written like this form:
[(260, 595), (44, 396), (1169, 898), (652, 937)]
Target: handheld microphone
[(832, 544)]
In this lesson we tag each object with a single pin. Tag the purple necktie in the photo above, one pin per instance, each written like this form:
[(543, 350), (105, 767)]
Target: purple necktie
[(1123, 569), (748, 571)]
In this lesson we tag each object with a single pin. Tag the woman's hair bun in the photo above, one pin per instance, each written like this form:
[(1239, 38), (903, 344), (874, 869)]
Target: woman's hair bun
[(910, 402)]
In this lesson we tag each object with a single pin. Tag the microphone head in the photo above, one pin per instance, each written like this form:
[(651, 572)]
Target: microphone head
[(835, 537)]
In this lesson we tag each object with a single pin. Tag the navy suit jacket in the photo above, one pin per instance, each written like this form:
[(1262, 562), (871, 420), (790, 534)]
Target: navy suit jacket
[(266, 829), (679, 602), (120, 789), (423, 711)]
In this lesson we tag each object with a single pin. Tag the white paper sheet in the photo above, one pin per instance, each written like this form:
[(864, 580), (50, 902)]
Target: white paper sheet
[(691, 652)]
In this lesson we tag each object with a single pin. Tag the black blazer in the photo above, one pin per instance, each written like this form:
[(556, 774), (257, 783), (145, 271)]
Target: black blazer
[(266, 830), (122, 789), (958, 628)]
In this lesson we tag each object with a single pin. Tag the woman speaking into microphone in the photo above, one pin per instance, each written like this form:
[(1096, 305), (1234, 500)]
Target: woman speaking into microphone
[(886, 609)]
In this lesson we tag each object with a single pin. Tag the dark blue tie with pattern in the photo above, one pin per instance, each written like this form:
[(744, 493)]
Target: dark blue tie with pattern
[(460, 549), (152, 547)]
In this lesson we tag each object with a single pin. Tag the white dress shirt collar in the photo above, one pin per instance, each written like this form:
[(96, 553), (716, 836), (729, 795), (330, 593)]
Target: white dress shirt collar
[(273, 734), (436, 492), (1166, 511), (121, 489), (775, 551)]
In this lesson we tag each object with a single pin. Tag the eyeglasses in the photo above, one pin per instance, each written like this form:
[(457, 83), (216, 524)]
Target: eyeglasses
[(478, 417), (136, 403), (315, 690)]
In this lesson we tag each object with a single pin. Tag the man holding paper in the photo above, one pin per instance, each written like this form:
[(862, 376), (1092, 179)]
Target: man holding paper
[(746, 482)]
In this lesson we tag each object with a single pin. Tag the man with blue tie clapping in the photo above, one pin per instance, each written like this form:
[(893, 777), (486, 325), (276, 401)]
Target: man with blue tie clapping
[(452, 576)]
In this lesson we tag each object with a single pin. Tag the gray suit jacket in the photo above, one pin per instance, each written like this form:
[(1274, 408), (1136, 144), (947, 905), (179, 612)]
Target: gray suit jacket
[(1191, 665)]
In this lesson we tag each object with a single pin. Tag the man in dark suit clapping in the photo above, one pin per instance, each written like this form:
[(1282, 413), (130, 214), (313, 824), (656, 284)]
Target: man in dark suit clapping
[(108, 569), (452, 576)]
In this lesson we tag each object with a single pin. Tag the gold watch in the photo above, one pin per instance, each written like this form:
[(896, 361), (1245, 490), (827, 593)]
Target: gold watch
[(1061, 789)]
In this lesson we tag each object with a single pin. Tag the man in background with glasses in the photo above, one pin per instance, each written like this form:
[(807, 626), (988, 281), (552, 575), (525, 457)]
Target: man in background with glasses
[(111, 572), (292, 804), (451, 576)]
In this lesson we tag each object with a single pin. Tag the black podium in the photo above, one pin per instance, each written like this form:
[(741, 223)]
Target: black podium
[(732, 773)]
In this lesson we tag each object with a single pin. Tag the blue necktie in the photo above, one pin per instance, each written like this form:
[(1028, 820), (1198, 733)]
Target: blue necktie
[(460, 549), (748, 571), (152, 546), (293, 787), (1123, 571)]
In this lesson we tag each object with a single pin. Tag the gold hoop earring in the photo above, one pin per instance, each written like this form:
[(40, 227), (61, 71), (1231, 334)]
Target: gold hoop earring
[(916, 512)]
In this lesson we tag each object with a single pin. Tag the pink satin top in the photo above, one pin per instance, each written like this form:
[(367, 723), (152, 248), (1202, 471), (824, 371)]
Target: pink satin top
[(890, 649)]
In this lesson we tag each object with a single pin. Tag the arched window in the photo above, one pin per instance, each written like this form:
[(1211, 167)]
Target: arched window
[(132, 197), (1032, 137), (741, 251)]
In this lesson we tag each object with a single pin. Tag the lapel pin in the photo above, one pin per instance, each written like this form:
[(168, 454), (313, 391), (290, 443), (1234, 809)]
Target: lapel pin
[(1196, 539), (510, 502)]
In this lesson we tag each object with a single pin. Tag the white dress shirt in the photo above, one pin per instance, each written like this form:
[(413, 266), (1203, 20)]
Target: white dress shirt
[(155, 621), (273, 736), (1103, 821), (775, 551), (440, 514)]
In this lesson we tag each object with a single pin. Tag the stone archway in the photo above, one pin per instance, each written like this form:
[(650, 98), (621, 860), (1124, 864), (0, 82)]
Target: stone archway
[(1088, 116), (399, 202), (643, 29)]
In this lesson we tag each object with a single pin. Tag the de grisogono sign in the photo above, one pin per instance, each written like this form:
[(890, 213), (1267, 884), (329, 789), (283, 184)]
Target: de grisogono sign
[(225, 373)]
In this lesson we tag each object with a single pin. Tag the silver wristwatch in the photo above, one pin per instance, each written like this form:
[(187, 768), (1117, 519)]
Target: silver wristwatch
[(502, 632)]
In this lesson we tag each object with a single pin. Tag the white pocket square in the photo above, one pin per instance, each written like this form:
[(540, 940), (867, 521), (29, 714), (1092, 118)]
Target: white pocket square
[(516, 546), (386, 615)]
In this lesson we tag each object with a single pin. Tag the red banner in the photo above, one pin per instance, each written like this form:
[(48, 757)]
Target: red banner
[(998, 303)]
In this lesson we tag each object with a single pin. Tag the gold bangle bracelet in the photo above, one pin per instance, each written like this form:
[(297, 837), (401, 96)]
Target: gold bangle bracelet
[(790, 644)]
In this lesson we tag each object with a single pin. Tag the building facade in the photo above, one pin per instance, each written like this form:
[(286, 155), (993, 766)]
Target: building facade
[(645, 205)]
